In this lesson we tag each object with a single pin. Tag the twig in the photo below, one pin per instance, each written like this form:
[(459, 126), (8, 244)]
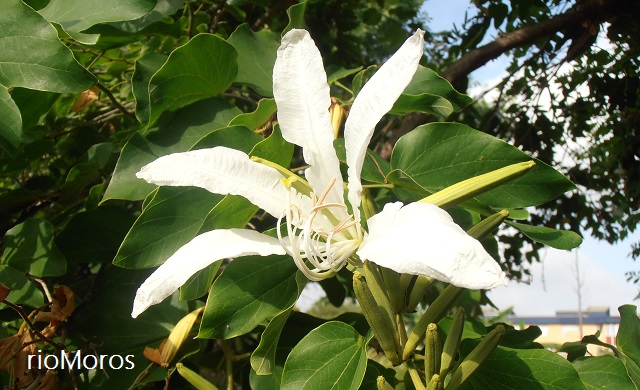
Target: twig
[(119, 106), (33, 328)]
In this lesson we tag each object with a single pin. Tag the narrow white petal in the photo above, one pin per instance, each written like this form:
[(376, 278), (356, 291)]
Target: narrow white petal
[(302, 95), (422, 239), (221, 171), (374, 100), (197, 254)]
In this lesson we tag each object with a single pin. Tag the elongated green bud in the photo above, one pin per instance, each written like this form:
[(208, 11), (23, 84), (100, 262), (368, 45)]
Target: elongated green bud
[(420, 287), (474, 360), (378, 318), (433, 314), (376, 283), (192, 377), (452, 342), (483, 228), (469, 188), (178, 335), (382, 384), (368, 204), (394, 290), (435, 383), (432, 352)]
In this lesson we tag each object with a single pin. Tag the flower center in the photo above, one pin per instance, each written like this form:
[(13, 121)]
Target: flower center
[(319, 241)]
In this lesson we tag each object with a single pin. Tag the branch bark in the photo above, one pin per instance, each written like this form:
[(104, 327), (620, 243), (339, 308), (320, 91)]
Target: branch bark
[(601, 10)]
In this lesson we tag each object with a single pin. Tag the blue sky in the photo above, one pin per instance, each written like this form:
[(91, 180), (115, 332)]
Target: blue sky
[(553, 285)]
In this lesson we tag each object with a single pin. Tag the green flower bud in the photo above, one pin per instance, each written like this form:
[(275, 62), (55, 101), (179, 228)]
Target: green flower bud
[(382, 384), (452, 342), (178, 335), (432, 352), (469, 188), (378, 318), (420, 287), (474, 360), (487, 225), (192, 377)]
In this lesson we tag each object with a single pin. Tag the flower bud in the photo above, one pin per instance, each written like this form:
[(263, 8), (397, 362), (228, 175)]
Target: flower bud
[(194, 379), (337, 114), (469, 188), (382, 324), (432, 352), (382, 384), (433, 314), (452, 342), (483, 228), (474, 360), (435, 383), (420, 287), (178, 335)]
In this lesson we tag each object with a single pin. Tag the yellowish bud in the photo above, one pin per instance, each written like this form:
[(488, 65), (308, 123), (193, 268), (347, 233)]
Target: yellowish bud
[(178, 335), (487, 225), (432, 352), (452, 342), (337, 113), (382, 384)]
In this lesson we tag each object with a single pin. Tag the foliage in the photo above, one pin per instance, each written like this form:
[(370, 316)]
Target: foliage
[(92, 91)]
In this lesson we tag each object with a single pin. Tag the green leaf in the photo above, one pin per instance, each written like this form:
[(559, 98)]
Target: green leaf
[(296, 16), (509, 368), (33, 105), (29, 247), (628, 341), (603, 372), (75, 16), (172, 218), (198, 284), (162, 9), (266, 382), (374, 168), (10, 123), (80, 176), (47, 65), (256, 57), (23, 290), (438, 155), (333, 356), (425, 102), (426, 81), (250, 290), (335, 73), (202, 68), (254, 120), (95, 235), (145, 68), (183, 131), (559, 239), (274, 148), (263, 358)]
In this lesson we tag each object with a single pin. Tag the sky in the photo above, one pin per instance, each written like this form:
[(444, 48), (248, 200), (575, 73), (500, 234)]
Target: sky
[(553, 282)]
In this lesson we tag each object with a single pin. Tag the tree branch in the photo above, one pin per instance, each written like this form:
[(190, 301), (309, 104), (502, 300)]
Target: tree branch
[(589, 9)]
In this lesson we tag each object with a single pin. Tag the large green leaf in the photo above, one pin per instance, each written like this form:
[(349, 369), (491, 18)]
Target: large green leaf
[(172, 218), (603, 372), (428, 92), (253, 120), (374, 168), (333, 356), (559, 239), (162, 9), (250, 290), (75, 16), (438, 155), (146, 67), (94, 235), (184, 130), (29, 247), (263, 358), (256, 57), (10, 122), (47, 64), (33, 105), (526, 369), (628, 341), (202, 68)]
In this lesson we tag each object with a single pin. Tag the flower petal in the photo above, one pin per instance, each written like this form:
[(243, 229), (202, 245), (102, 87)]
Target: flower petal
[(374, 100), (221, 171), (302, 95), (422, 239), (197, 254)]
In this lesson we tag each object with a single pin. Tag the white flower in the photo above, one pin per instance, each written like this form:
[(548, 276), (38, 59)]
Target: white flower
[(322, 232)]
